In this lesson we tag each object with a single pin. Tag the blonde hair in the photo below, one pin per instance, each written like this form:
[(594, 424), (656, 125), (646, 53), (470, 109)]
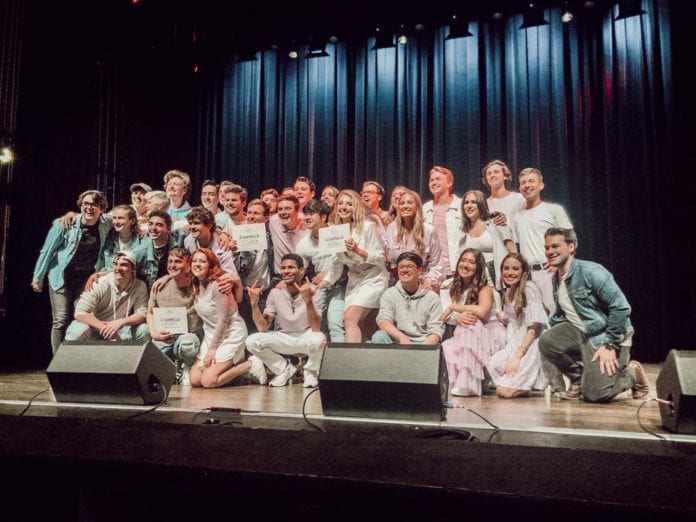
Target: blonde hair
[(418, 231), (359, 210)]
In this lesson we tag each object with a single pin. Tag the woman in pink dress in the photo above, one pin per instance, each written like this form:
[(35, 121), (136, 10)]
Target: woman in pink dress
[(469, 303)]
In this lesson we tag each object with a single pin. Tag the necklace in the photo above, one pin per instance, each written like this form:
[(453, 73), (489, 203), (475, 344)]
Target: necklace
[(292, 299), (160, 251)]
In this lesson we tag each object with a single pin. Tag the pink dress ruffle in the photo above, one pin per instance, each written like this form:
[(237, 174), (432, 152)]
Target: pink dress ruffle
[(466, 354)]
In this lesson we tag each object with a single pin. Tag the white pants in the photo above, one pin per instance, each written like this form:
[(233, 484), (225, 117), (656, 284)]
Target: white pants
[(271, 346), (544, 281)]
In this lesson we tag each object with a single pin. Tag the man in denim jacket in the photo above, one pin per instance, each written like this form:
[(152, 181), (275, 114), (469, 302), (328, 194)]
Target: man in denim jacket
[(590, 338)]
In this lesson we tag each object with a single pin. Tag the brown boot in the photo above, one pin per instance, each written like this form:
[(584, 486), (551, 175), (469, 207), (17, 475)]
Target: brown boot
[(641, 388), (573, 393)]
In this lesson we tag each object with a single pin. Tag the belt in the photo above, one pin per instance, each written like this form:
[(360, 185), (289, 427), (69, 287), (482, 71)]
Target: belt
[(536, 267)]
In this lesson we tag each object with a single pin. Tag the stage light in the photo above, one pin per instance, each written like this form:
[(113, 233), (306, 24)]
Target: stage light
[(497, 15), (628, 8), (533, 17), (316, 50), (588, 3), (383, 39), (293, 51), (402, 35), (566, 13), (458, 28), (6, 156), (333, 39)]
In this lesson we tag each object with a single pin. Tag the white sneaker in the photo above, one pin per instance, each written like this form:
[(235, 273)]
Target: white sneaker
[(258, 370), (310, 380), (462, 392), (284, 376), (185, 381)]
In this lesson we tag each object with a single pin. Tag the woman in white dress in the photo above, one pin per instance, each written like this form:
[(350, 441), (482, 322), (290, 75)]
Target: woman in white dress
[(516, 369), (469, 304), (221, 357), (364, 257), (479, 232), (410, 233)]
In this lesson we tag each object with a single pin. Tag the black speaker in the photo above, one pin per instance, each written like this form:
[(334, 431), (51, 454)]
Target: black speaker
[(677, 383), (384, 381), (129, 372)]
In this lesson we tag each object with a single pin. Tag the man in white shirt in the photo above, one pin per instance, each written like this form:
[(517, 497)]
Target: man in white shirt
[(531, 224), (297, 322), (445, 215), (498, 178)]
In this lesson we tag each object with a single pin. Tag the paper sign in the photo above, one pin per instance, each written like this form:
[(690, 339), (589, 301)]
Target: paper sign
[(333, 239), (171, 319), (250, 237)]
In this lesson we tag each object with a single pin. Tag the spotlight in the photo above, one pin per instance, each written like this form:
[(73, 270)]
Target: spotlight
[(383, 39), (6, 156), (293, 51), (588, 3), (566, 13), (402, 35), (317, 49), (497, 15), (458, 28), (628, 8), (333, 39), (533, 17)]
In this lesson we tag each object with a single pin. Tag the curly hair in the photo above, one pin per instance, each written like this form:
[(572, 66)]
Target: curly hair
[(214, 269)]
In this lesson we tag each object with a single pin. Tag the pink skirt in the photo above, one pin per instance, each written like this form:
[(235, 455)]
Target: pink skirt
[(467, 353)]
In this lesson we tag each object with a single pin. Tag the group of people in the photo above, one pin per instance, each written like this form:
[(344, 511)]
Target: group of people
[(493, 279)]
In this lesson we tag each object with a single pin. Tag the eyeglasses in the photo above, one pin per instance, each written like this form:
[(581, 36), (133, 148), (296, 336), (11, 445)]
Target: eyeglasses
[(369, 192), (90, 204)]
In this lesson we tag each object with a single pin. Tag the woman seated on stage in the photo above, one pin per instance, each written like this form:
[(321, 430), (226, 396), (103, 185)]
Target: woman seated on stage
[(409, 233), (221, 356), (494, 241), (470, 305), (367, 275), (516, 369)]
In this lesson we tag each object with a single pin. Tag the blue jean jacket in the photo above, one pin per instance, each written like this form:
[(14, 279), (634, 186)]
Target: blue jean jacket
[(146, 262), (60, 247), (598, 301)]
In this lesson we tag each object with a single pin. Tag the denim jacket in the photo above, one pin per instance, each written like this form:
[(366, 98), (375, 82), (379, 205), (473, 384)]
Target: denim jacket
[(598, 301), (146, 262), (60, 247)]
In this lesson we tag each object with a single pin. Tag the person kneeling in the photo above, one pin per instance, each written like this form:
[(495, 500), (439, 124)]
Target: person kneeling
[(298, 326), (408, 312), (115, 308)]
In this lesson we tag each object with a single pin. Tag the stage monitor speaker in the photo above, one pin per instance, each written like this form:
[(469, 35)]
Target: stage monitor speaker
[(677, 383), (111, 372), (384, 381)]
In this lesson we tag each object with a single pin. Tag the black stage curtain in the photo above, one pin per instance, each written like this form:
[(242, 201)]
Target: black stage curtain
[(589, 103)]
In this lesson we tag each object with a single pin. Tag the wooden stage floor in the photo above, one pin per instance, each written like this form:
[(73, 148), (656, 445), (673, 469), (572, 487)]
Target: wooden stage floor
[(539, 419), (115, 462)]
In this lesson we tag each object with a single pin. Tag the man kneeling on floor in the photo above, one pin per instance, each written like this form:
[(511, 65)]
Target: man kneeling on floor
[(409, 313), (590, 338), (115, 308), (298, 326)]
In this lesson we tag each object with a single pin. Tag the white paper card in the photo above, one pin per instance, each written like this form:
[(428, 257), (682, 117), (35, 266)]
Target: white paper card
[(333, 239), (171, 319), (250, 237)]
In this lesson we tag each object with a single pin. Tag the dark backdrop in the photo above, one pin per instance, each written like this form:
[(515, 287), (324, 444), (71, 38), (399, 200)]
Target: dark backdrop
[(110, 96)]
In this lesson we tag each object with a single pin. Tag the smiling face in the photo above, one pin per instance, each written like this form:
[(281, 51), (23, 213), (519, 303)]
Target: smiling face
[(512, 272), (407, 206), (466, 267), (91, 211), (371, 196), (439, 184), (255, 214), (123, 272), (175, 188), (288, 214), (314, 221), (470, 207), (138, 200), (272, 201), (178, 266), (531, 187), (557, 251), (328, 196), (120, 220), (209, 198), (290, 273), (157, 229), (200, 267), (303, 192), (495, 177), (396, 196), (234, 205), (408, 272), (345, 208)]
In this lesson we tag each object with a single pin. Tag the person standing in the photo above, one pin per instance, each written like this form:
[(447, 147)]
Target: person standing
[(68, 257)]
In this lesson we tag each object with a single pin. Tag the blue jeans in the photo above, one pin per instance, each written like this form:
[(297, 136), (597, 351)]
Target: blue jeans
[(63, 303), (78, 331), (336, 297), (184, 348)]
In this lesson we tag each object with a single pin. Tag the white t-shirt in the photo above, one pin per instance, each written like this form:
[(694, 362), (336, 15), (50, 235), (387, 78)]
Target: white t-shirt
[(510, 205), (532, 224)]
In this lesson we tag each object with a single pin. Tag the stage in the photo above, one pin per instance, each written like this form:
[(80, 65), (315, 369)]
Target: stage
[(249, 449)]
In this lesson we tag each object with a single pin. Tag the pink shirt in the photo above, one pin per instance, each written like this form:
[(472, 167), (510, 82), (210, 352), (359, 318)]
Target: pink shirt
[(284, 241), (440, 225)]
